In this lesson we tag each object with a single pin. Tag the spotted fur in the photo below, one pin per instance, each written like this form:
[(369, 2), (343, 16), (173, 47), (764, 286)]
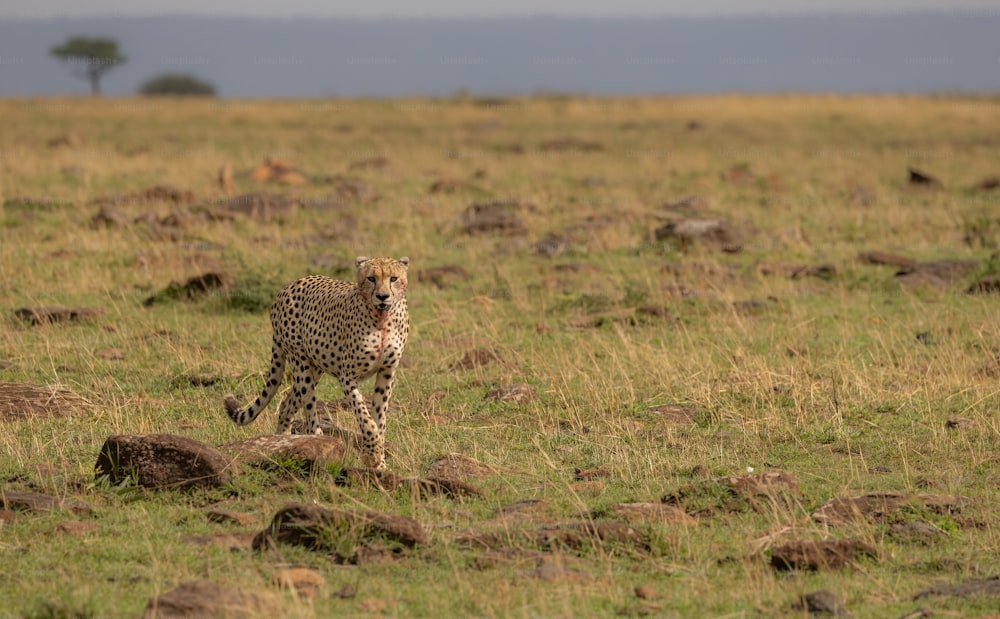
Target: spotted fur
[(350, 330)]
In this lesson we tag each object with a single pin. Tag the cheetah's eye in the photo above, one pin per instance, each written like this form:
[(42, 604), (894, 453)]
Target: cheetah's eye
[(371, 278), (393, 278)]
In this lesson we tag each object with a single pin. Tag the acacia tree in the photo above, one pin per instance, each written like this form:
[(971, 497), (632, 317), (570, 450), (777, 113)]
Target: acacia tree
[(89, 58)]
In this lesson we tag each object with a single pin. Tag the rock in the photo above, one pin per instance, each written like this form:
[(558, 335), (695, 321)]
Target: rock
[(225, 516), (823, 602), (194, 288), (985, 285), (476, 358), (969, 588), (234, 542), (555, 570), (651, 512), (562, 145), (376, 162), (876, 507), (260, 205), (646, 592), (517, 392), (162, 461), (938, 274), (109, 216), (306, 451), (571, 536), (884, 258), (48, 315), (70, 140), (35, 502), (915, 531), (460, 467), (446, 185), (26, 401), (674, 413), (423, 487), (443, 276), (500, 217), (303, 581), (916, 177), (960, 423), (318, 528), (988, 183), (816, 555), (762, 484), (76, 528), (204, 599), (819, 271), (713, 231)]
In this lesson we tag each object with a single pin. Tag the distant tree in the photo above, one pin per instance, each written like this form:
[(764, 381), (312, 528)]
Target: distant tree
[(177, 84), (89, 58)]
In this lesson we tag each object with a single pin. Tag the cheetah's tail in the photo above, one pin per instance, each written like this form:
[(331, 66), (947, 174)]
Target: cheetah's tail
[(241, 416)]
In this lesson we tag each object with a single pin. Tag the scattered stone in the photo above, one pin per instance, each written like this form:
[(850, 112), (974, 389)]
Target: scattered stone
[(204, 598), (960, 423), (915, 531), (651, 512), (571, 536), (916, 177), (516, 392), (48, 315), (302, 580), (76, 528), (26, 401), (225, 516), (674, 413), (476, 358), (70, 140), (937, 274), (590, 474), (816, 555), (234, 542), (989, 183), (194, 288), (823, 602), (876, 507), (763, 484), (459, 467), (501, 216), (317, 528), (443, 276), (300, 451), (985, 285), (883, 258), (713, 231), (35, 502), (162, 461), (969, 588)]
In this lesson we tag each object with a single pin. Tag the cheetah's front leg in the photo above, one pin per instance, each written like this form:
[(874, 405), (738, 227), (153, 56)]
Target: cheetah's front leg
[(372, 441), (383, 391)]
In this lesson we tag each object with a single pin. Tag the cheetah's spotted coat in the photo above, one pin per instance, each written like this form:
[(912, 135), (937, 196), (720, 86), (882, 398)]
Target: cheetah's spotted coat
[(351, 330)]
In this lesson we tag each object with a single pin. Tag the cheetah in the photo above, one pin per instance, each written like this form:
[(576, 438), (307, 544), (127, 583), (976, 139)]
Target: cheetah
[(350, 330)]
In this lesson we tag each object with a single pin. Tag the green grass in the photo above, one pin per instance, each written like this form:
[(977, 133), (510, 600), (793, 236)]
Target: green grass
[(825, 378)]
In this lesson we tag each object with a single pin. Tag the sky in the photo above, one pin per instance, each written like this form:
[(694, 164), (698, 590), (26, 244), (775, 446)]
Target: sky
[(368, 9)]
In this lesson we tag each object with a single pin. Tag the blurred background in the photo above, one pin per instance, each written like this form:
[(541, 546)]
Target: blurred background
[(309, 48)]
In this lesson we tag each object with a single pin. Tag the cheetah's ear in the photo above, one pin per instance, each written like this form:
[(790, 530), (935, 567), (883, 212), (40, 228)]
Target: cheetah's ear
[(405, 261), (360, 260)]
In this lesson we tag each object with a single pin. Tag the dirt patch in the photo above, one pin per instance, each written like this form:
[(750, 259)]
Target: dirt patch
[(499, 217), (714, 232), (444, 276), (320, 528), (571, 536), (303, 581), (823, 602), (517, 392), (194, 288), (50, 315), (204, 598), (878, 507), (25, 401), (459, 467), (969, 588), (35, 502), (736, 494), (476, 358), (820, 555)]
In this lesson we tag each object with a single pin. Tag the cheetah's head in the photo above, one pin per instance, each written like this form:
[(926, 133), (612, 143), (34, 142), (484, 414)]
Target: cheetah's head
[(382, 281)]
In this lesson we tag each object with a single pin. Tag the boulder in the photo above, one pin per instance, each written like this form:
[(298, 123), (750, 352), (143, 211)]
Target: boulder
[(162, 461)]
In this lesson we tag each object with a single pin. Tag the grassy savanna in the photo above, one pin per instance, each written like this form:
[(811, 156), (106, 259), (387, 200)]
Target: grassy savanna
[(846, 381)]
